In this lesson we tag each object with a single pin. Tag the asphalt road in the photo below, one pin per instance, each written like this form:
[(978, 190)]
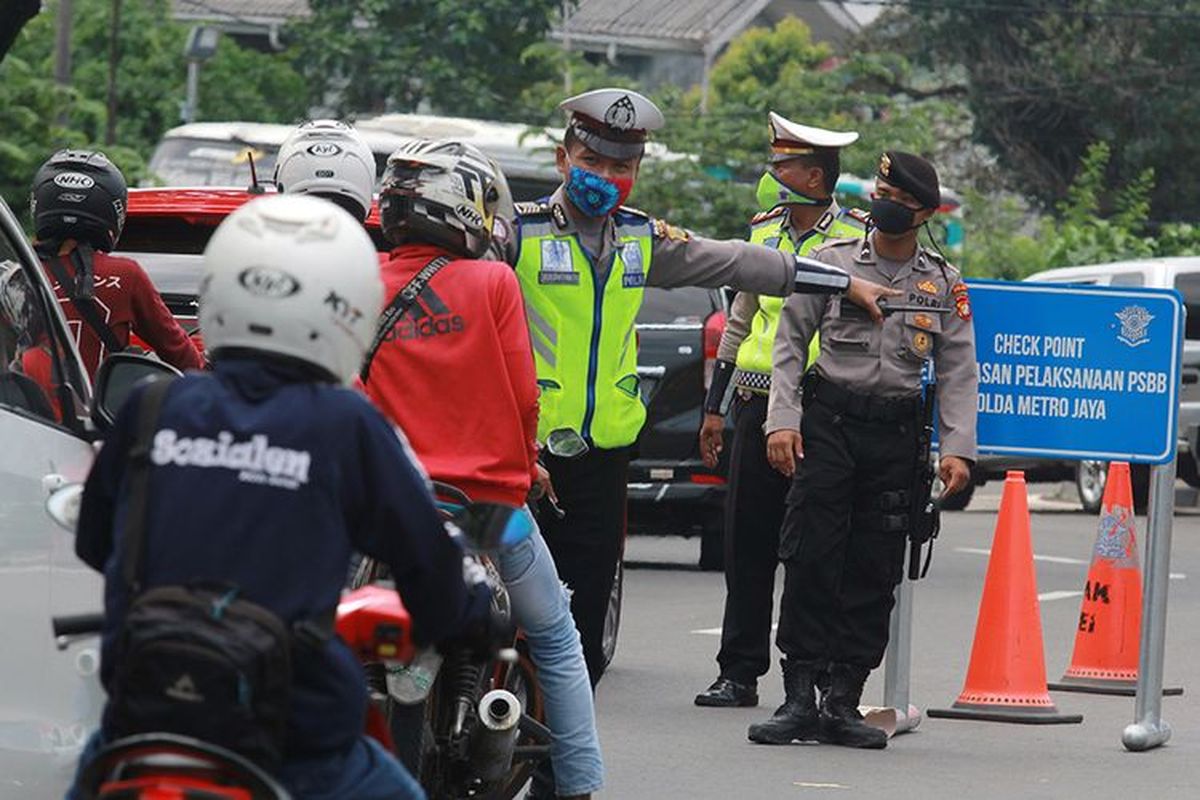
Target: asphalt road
[(657, 744)]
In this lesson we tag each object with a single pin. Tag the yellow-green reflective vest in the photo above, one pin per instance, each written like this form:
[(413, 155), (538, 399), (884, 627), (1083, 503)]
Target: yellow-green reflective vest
[(754, 353), (582, 327)]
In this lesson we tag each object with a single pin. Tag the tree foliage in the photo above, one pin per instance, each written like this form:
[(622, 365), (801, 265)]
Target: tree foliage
[(38, 116), (1002, 244), (783, 70), (453, 57), (1048, 79)]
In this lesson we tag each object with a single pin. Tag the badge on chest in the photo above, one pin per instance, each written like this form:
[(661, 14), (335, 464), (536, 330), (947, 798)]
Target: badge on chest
[(558, 267)]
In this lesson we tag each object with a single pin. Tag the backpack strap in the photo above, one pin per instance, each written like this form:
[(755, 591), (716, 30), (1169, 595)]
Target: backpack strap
[(395, 310), (82, 298), (134, 539)]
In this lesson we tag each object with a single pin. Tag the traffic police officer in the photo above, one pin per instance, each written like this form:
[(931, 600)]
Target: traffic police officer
[(583, 261), (798, 213), (853, 421)]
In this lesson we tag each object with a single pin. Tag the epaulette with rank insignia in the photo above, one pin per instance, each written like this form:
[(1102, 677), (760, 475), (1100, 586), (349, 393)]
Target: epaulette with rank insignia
[(632, 214), (531, 208), (856, 217), (763, 216), (665, 230)]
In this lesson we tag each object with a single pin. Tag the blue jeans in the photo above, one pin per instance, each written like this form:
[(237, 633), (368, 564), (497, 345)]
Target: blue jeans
[(365, 772), (542, 609)]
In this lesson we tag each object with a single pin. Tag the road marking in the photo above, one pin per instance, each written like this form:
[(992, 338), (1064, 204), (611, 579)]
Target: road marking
[(1060, 595), (807, 785), (980, 551)]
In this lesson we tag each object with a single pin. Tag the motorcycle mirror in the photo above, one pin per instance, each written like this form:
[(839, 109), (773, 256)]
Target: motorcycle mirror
[(566, 443), (63, 505), (488, 527), (116, 378)]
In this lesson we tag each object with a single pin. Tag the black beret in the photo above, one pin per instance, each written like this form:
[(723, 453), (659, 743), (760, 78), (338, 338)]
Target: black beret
[(913, 174)]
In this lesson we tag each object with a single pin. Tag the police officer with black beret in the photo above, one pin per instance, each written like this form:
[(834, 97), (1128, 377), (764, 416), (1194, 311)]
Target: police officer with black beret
[(847, 430)]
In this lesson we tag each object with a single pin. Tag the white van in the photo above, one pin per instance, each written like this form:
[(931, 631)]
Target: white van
[(217, 153), (1183, 274)]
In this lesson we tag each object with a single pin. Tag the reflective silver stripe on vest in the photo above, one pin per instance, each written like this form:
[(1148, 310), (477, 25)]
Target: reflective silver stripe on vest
[(541, 325), (545, 352), (754, 381)]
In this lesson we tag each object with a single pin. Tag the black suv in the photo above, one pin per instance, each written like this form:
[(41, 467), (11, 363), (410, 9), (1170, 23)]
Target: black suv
[(670, 489)]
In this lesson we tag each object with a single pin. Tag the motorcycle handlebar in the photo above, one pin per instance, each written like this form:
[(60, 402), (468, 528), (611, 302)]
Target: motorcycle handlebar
[(77, 624)]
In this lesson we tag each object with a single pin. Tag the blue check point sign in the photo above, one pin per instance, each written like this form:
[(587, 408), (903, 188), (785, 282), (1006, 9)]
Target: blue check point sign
[(1077, 372)]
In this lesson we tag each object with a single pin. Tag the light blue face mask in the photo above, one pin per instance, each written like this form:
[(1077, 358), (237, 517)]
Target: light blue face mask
[(592, 194), (773, 192)]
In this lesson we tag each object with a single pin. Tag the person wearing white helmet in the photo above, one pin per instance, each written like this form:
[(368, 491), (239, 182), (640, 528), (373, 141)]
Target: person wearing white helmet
[(297, 470), (329, 159), (463, 334)]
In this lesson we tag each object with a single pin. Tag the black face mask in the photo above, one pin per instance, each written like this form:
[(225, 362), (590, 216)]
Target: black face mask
[(891, 217)]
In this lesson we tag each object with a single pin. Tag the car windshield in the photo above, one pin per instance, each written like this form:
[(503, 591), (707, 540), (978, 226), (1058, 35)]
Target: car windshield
[(209, 162)]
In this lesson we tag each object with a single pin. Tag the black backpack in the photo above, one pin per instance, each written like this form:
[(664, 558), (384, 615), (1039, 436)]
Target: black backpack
[(198, 659)]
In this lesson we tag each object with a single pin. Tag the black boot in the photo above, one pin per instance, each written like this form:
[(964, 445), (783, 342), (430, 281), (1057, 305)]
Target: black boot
[(840, 721), (797, 718)]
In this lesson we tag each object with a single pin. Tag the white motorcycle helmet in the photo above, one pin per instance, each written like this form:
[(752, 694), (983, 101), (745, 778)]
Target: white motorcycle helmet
[(330, 159), (292, 276)]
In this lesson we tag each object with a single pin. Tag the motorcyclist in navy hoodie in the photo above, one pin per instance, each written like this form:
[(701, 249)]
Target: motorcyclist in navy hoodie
[(288, 303)]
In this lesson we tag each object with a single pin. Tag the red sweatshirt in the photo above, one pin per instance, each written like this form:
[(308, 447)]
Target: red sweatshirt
[(127, 302), (457, 375)]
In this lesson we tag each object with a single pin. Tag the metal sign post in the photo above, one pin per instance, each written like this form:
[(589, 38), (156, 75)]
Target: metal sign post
[(1150, 730), (898, 663)]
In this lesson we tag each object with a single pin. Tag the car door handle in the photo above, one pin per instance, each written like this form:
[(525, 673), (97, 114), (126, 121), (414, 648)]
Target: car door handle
[(651, 372)]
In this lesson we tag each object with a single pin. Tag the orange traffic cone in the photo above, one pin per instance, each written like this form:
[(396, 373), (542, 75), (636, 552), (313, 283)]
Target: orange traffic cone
[(1105, 660), (1006, 680)]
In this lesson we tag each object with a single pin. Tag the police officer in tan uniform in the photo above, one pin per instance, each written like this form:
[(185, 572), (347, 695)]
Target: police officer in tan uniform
[(847, 429), (798, 214)]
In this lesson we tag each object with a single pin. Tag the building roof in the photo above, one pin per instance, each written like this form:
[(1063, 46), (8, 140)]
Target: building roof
[(247, 12), (693, 24)]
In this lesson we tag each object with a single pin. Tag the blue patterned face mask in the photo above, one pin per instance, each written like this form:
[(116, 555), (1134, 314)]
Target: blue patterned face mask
[(594, 194)]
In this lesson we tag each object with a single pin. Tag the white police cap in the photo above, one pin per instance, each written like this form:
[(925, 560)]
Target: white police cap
[(790, 139), (613, 122)]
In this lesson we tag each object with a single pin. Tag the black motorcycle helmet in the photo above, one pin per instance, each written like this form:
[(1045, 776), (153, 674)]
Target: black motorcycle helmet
[(79, 194)]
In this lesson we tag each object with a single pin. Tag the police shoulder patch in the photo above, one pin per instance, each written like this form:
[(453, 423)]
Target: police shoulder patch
[(528, 209), (855, 216), (630, 211), (665, 230), (763, 216)]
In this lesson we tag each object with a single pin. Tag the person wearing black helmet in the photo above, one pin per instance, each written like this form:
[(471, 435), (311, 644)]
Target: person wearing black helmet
[(78, 201)]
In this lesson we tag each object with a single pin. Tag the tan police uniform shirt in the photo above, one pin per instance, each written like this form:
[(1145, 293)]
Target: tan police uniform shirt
[(679, 258), (884, 360)]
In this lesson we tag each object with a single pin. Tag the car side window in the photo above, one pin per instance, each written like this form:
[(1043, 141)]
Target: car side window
[(1188, 284), (32, 359), (1128, 279)]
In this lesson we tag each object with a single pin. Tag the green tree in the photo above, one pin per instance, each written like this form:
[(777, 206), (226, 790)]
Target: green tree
[(151, 76), (454, 57), (783, 70), (1048, 79)]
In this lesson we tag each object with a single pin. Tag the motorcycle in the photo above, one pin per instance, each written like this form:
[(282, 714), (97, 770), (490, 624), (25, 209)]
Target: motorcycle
[(467, 725), (481, 741)]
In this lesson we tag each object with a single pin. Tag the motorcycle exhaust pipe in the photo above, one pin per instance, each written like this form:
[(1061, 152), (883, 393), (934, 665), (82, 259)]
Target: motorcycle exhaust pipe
[(495, 737)]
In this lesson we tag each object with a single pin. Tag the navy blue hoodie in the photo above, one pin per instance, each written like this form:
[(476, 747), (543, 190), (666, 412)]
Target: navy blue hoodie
[(265, 479)]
